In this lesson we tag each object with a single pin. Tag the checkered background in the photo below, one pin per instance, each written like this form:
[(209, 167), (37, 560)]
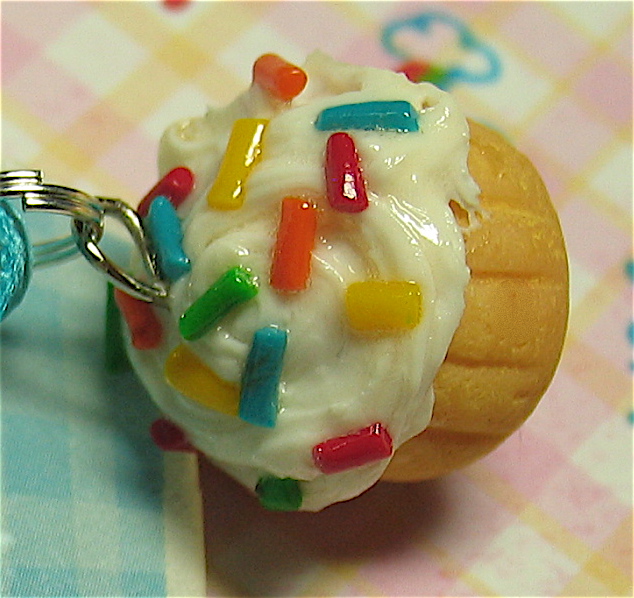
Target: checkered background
[(91, 508)]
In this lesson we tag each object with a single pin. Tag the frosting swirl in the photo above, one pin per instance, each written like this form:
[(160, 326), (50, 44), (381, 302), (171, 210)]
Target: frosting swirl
[(334, 380)]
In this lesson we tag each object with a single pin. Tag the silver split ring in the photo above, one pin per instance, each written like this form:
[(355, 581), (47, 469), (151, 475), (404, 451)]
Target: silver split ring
[(88, 214), (36, 196)]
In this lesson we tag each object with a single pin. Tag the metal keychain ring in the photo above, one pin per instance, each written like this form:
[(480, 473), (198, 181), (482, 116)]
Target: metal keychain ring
[(87, 239), (87, 227), (27, 186)]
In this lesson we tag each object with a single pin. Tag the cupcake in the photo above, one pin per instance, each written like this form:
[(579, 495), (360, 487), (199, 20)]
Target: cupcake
[(363, 285)]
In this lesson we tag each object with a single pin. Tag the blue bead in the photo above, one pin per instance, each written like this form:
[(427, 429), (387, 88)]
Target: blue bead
[(261, 378), (369, 116), (15, 260), (167, 236)]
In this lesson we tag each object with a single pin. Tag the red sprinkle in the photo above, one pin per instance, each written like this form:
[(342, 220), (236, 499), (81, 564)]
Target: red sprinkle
[(176, 185), (175, 4), (145, 327), (170, 437), (290, 269), (344, 180), (414, 70), (279, 78), (353, 450)]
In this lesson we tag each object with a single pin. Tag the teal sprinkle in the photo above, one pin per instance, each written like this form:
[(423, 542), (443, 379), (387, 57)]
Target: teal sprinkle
[(261, 378), (394, 115), (167, 236)]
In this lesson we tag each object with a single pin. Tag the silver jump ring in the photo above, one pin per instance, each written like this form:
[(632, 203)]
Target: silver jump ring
[(88, 214), (36, 196), (87, 239)]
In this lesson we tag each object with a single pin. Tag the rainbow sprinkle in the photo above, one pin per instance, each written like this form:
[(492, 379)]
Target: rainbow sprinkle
[(167, 238), (242, 154), (395, 115), (290, 269), (169, 437), (176, 185), (145, 328), (384, 306), (279, 494), (185, 371), (353, 450), (345, 185), (279, 78), (234, 287), (261, 378)]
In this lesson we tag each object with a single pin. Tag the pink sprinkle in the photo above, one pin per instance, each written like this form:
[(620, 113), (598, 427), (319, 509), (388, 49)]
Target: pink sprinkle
[(170, 437), (176, 185), (353, 450), (344, 180), (145, 327)]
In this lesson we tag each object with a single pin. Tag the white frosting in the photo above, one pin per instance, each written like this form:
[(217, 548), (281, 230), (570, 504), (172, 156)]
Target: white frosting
[(334, 380)]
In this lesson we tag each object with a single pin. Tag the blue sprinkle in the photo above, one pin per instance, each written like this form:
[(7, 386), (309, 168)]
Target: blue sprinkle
[(261, 379), (630, 417), (165, 230), (369, 116)]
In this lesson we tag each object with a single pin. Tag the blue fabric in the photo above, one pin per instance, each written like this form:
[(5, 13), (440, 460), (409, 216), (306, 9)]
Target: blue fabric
[(82, 482)]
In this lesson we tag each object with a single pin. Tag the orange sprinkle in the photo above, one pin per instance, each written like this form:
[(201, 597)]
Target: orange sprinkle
[(290, 270), (145, 327), (279, 78)]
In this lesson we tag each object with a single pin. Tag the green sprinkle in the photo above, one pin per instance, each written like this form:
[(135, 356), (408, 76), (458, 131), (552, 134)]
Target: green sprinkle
[(434, 75), (115, 353), (234, 287), (279, 494)]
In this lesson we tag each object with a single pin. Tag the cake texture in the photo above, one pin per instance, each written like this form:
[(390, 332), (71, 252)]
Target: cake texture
[(507, 347), (348, 249)]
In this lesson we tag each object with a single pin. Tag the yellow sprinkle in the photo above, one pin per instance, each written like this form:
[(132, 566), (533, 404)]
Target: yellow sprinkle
[(384, 306), (242, 154), (190, 376)]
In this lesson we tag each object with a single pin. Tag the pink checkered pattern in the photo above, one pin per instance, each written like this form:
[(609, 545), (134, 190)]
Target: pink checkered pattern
[(88, 88)]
